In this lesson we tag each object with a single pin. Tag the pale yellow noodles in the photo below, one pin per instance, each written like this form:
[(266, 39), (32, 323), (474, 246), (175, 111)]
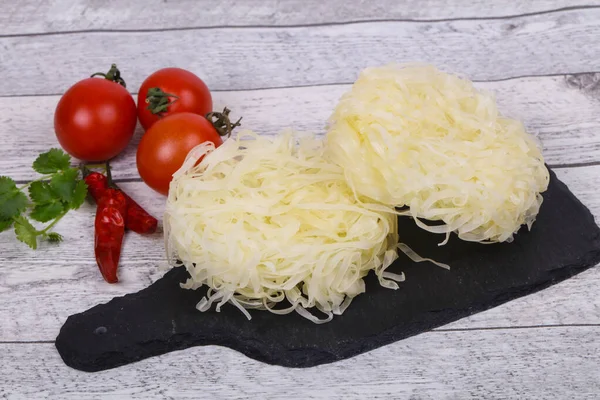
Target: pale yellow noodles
[(417, 137), (267, 219)]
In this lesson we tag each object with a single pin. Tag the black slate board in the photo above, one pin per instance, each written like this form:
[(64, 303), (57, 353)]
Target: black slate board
[(162, 318)]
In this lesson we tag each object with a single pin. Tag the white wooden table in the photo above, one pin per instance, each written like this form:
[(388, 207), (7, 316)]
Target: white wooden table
[(284, 64)]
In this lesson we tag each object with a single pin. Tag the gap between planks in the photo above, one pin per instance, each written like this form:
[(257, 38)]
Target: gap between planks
[(319, 24), (517, 77)]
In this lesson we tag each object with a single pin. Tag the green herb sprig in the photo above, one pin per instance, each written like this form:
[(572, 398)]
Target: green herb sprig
[(51, 197)]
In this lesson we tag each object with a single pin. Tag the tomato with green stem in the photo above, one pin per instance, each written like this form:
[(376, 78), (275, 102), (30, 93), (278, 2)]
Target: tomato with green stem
[(165, 145), (96, 118), (170, 91)]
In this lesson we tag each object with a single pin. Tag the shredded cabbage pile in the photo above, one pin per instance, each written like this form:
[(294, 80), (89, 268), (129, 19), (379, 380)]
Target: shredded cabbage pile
[(415, 137), (266, 219)]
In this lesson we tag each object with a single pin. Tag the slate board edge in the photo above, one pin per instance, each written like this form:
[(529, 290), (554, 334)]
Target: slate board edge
[(365, 344)]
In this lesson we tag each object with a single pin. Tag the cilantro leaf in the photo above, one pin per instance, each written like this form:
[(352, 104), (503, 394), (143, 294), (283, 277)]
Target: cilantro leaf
[(42, 193), (12, 200), (54, 237), (52, 161), (26, 232), (50, 200), (63, 184), (79, 195), (5, 224), (7, 185), (12, 205), (46, 212)]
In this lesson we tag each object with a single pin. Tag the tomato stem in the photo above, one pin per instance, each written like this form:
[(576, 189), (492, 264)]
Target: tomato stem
[(113, 75), (158, 101), (222, 123)]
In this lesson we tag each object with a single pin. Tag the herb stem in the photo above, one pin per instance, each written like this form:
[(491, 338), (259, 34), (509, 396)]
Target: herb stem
[(43, 178), (54, 222)]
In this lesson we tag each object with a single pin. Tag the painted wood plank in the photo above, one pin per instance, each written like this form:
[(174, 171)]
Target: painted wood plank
[(31, 16), (40, 289), (248, 58), (562, 110), (552, 363)]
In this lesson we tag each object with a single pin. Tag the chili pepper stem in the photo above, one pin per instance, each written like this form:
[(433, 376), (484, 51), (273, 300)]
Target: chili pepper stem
[(101, 166), (109, 178), (109, 175)]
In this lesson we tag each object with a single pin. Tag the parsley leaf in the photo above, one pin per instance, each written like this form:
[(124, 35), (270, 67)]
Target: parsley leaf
[(26, 232), (7, 185), (52, 161), (12, 200), (50, 198), (42, 193), (54, 237), (79, 195), (63, 184), (48, 204), (46, 212), (5, 224)]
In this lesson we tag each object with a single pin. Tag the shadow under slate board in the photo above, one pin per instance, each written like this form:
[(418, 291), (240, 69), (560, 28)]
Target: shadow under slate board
[(564, 241)]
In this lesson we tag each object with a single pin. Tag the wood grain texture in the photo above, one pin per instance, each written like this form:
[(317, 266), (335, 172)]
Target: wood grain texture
[(563, 110), (552, 363), (249, 58), (40, 289), (32, 16)]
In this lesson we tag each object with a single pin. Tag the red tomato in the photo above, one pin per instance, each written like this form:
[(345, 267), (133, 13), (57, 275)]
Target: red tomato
[(95, 119), (165, 145), (190, 94)]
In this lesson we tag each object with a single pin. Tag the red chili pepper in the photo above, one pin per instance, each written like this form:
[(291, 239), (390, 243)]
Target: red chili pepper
[(109, 231), (97, 184), (137, 219)]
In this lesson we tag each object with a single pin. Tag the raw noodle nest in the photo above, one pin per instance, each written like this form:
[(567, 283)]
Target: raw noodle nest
[(265, 220), (418, 138)]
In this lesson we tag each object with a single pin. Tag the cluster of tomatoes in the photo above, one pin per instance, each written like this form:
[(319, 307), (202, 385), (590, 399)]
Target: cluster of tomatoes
[(96, 119)]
